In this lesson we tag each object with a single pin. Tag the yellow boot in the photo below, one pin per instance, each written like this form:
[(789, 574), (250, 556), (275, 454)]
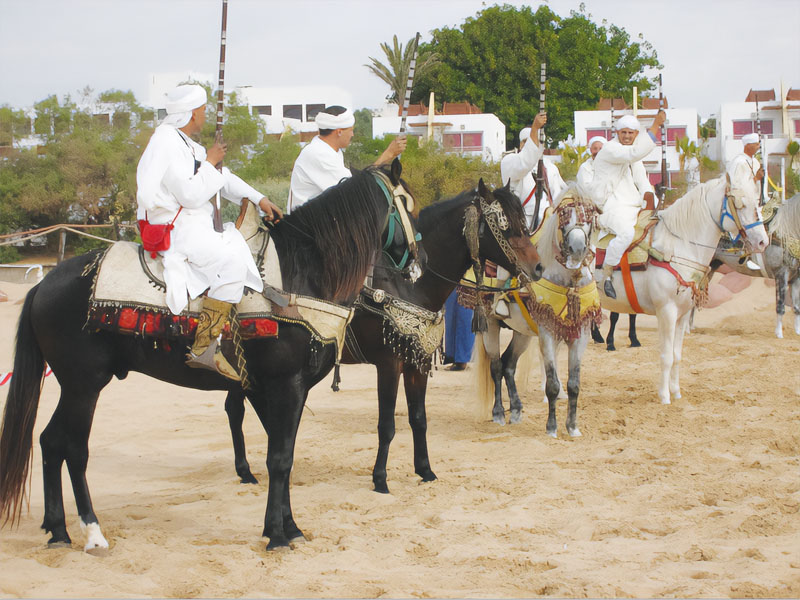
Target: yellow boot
[(608, 285), (206, 352)]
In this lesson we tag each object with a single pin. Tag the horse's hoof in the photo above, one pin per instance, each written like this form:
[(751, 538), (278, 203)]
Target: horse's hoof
[(427, 476), (245, 476), (516, 417), (97, 551), (553, 434), (52, 544), (611, 347), (380, 487), (575, 432), (500, 420), (278, 544), (666, 401), (636, 344)]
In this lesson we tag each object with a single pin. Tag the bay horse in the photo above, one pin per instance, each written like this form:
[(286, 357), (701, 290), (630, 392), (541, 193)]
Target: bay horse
[(686, 237), (560, 309), (502, 237), (325, 249)]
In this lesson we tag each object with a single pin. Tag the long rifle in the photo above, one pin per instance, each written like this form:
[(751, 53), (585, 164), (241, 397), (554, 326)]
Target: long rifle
[(220, 105), (761, 150), (409, 85), (664, 174), (540, 171)]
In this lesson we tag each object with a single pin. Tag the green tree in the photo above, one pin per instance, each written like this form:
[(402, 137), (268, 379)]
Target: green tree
[(398, 64), (493, 60)]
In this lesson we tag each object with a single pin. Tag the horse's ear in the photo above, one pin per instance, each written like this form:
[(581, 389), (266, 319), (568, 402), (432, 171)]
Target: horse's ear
[(507, 186), (483, 190), (396, 171)]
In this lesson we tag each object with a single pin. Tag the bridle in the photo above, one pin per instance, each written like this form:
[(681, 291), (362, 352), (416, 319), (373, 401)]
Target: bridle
[(400, 203), (585, 214), (733, 215)]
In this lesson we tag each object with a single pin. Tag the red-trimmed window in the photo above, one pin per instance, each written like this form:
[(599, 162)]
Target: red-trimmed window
[(675, 133), (603, 133), (463, 142), (741, 128), (797, 127), (654, 177)]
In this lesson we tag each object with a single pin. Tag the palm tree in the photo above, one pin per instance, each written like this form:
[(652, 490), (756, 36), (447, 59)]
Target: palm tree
[(395, 72)]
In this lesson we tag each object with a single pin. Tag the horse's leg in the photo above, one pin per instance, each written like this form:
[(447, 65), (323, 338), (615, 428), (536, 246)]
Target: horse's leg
[(519, 343), (677, 351), (491, 343), (388, 381), (795, 287), (234, 407), (548, 349), (613, 318), (632, 331), (781, 282), (416, 385), (576, 350), (597, 337), (667, 316), (280, 414), (66, 438)]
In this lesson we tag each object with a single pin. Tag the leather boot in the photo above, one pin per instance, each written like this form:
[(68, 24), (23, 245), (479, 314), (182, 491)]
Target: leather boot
[(206, 352), (608, 285)]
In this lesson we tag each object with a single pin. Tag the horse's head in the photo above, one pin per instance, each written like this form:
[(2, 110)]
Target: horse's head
[(400, 238), (575, 219), (740, 216), (507, 241)]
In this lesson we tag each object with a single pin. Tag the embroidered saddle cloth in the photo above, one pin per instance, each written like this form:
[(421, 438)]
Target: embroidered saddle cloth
[(128, 295), (639, 250)]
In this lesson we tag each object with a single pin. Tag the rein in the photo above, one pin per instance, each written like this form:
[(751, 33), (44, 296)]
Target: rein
[(734, 216)]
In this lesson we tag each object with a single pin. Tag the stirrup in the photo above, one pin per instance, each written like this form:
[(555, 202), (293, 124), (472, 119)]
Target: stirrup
[(213, 360), (608, 289)]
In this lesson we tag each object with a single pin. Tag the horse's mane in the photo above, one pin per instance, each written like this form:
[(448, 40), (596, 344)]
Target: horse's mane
[(688, 216), (332, 238), (786, 223)]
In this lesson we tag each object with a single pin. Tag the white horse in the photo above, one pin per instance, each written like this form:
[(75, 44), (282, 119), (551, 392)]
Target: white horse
[(686, 235), (562, 306)]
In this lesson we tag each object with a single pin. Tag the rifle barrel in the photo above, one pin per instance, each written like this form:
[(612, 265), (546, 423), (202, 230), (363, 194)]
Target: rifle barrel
[(409, 85)]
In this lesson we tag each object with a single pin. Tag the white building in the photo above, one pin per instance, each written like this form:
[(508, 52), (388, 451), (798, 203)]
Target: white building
[(460, 128), (779, 122), (681, 122)]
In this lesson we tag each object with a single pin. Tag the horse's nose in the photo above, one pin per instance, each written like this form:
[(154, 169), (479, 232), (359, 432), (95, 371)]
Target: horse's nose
[(537, 271)]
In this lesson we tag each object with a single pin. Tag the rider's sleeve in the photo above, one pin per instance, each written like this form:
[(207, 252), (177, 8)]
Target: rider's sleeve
[(236, 188), (640, 179), (619, 154), (516, 166)]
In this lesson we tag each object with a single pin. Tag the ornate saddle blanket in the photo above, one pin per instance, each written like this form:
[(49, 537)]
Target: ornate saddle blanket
[(639, 250), (128, 295)]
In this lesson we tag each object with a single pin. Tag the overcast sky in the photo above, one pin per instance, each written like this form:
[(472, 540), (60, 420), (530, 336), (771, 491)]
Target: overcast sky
[(712, 51)]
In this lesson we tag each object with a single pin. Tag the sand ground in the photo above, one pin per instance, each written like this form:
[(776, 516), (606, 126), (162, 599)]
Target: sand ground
[(700, 498)]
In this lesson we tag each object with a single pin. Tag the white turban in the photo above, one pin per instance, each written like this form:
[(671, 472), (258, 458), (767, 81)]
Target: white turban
[(628, 122), (525, 134), (328, 121), (750, 138), (182, 101), (597, 138)]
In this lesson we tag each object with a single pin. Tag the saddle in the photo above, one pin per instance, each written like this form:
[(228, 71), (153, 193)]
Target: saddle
[(128, 295), (640, 249)]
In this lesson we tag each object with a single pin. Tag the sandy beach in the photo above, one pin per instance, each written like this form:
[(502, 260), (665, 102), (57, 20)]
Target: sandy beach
[(700, 498)]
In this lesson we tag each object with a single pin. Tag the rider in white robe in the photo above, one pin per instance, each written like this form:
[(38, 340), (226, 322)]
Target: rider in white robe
[(175, 181), (744, 170), (586, 171), (619, 187), (320, 164), (517, 167)]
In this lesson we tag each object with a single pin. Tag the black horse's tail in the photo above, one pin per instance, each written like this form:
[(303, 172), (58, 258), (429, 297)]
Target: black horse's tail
[(16, 437)]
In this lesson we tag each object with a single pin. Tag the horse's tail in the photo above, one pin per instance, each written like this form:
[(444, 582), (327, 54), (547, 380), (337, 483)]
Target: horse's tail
[(524, 368), (484, 384), (16, 437)]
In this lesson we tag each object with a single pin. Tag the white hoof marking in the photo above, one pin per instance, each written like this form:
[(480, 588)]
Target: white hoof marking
[(95, 540)]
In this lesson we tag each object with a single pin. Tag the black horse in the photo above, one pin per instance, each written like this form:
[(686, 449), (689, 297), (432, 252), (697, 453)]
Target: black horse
[(443, 236), (597, 337), (325, 247)]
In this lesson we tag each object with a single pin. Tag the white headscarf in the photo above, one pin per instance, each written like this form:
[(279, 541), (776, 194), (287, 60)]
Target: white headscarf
[(182, 101), (628, 122), (597, 138), (328, 121), (750, 138)]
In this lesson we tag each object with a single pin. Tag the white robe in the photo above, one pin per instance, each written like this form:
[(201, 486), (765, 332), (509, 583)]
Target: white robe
[(742, 171), (317, 168), (199, 258), (620, 182), (584, 178), (517, 167)]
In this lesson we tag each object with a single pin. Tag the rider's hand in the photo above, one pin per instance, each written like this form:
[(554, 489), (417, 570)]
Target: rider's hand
[(216, 153), (271, 211), (759, 174), (539, 121)]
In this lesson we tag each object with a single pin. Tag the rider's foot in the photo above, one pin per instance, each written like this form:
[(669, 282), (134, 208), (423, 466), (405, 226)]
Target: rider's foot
[(608, 285)]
